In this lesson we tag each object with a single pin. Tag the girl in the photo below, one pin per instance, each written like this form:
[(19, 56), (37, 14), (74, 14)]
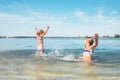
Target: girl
[(39, 35), (90, 44)]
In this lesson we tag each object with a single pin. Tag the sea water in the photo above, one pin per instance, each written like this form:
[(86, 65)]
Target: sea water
[(62, 60)]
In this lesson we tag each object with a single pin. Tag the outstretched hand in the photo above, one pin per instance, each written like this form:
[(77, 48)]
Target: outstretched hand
[(96, 35), (48, 27)]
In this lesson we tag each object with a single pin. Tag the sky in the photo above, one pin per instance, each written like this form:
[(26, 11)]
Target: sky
[(65, 17)]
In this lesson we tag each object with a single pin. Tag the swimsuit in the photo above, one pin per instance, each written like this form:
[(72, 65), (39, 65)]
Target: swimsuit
[(40, 40), (87, 52), (39, 48)]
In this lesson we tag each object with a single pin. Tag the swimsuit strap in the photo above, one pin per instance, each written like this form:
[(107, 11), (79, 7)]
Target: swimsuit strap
[(86, 50)]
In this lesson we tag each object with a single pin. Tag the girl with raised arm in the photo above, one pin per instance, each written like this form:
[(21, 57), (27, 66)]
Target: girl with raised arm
[(90, 45), (39, 35)]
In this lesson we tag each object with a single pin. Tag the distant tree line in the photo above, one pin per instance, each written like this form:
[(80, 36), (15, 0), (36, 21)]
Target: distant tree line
[(3, 37), (107, 36), (23, 37), (115, 36)]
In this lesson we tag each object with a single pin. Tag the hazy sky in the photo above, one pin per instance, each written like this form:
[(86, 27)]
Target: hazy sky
[(65, 17)]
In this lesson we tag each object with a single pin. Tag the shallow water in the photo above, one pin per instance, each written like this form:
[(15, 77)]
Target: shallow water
[(19, 60)]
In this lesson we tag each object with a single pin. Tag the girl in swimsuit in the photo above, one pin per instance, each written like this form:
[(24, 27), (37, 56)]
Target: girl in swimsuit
[(39, 35), (90, 44)]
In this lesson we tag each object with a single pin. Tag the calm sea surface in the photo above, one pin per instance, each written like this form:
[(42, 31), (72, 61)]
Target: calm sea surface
[(19, 60)]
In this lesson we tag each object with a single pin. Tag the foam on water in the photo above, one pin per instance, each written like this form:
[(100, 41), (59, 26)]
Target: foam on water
[(63, 54), (56, 54), (61, 60), (53, 64)]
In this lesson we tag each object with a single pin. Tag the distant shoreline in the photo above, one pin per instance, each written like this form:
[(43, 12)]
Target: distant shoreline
[(56, 37)]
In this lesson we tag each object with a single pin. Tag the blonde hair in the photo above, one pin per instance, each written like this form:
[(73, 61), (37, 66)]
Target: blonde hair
[(39, 32)]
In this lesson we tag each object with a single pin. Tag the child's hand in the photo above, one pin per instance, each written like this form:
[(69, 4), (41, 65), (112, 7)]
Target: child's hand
[(96, 35), (48, 27)]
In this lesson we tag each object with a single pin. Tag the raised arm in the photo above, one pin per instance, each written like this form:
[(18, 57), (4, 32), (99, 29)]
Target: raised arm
[(46, 31), (96, 36)]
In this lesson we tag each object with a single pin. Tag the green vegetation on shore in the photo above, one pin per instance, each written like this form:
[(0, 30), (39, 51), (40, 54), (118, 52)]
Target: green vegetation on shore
[(107, 36), (115, 36), (3, 37)]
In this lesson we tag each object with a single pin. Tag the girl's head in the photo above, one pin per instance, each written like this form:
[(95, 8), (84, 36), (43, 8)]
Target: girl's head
[(89, 41), (40, 31)]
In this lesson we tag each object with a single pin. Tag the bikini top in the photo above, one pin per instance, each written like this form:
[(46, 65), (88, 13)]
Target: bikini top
[(41, 39), (87, 51)]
